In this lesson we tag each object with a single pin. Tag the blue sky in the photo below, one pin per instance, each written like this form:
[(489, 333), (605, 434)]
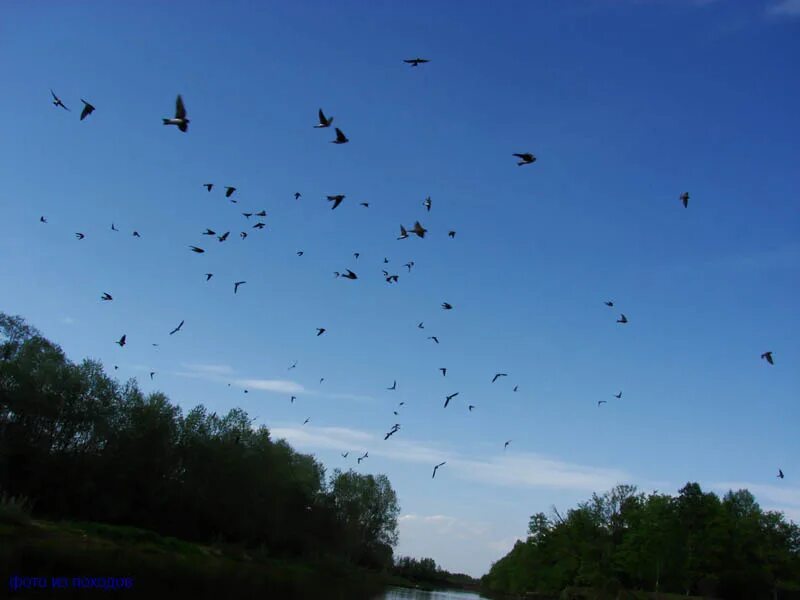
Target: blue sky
[(625, 103)]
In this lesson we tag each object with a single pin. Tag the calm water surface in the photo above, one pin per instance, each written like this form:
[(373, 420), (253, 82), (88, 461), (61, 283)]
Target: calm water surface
[(408, 594)]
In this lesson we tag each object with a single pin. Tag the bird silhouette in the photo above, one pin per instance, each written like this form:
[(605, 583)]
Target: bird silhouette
[(418, 229), (208, 186), (122, 341), (525, 158), (106, 296), (345, 454), (516, 387), (292, 399), (622, 319), (209, 232), (209, 276), (320, 331), (87, 109), (323, 122), (497, 375), (436, 468), (261, 213), (420, 325), (619, 395), (684, 197), (340, 137), (236, 286), (360, 458), (403, 235), (177, 329), (409, 265), (152, 374), (599, 402), (307, 420), (196, 249), (780, 474), (243, 234), (356, 255), (415, 62), (297, 195), (427, 203), (42, 219), (229, 191), (392, 278), (470, 407), (444, 371), (180, 115), (57, 101), (224, 236), (114, 228), (434, 338), (349, 275), (259, 225), (337, 200), (448, 398), (447, 306), (300, 253), (321, 379), (768, 357), (247, 215), (391, 433), (394, 386), (608, 303), (364, 204), (136, 234), (294, 365), (80, 236), (506, 444), (451, 233)]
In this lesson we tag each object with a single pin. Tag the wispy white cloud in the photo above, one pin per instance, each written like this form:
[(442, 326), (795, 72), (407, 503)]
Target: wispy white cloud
[(281, 386), (208, 369), (784, 8), (524, 470), (68, 321)]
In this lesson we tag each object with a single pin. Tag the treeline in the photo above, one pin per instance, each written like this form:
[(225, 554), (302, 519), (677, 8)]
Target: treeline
[(84, 447), (693, 543), (425, 570)]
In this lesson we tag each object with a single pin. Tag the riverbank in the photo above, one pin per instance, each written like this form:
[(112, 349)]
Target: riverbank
[(89, 555)]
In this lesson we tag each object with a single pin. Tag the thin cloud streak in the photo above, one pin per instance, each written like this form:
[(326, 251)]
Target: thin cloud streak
[(514, 470), (785, 8), (281, 386)]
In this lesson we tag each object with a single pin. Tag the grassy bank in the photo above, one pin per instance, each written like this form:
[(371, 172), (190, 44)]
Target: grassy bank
[(161, 565)]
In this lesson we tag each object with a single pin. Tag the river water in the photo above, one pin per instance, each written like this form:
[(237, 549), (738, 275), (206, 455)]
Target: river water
[(396, 593)]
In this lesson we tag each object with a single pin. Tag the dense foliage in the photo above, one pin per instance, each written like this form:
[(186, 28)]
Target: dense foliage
[(425, 570), (84, 447), (693, 543)]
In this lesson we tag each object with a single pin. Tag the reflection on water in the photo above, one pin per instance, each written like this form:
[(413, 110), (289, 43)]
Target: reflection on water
[(396, 593)]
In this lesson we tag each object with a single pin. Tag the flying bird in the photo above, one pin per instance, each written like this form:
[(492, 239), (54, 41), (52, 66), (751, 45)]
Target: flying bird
[(516, 387), (114, 228), (209, 276), (780, 474), (499, 375), (447, 306), (427, 203), (323, 122), (419, 229), (292, 399), (452, 234), (42, 219), (390, 433), (444, 371), (57, 101), (247, 215), (320, 331), (349, 275), (470, 407), (209, 232), (236, 286), (321, 379), (609, 303), (224, 236), (403, 235), (294, 365), (122, 341), (420, 325), (619, 395), (434, 338), (345, 454), (684, 197), (437, 467), (525, 158), (261, 213), (180, 115), (340, 137), (415, 62), (408, 265), (622, 319), (448, 398), (364, 204), (106, 296), (337, 200), (392, 278), (87, 109), (208, 186), (394, 386), (768, 357), (177, 329), (356, 255), (80, 236), (297, 195), (360, 458), (136, 234), (599, 402), (506, 444), (307, 420), (196, 249), (259, 225), (152, 374), (229, 191), (300, 253), (243, 234)]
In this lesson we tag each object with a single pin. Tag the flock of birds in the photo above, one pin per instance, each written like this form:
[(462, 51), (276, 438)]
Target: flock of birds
[(181, 121)]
